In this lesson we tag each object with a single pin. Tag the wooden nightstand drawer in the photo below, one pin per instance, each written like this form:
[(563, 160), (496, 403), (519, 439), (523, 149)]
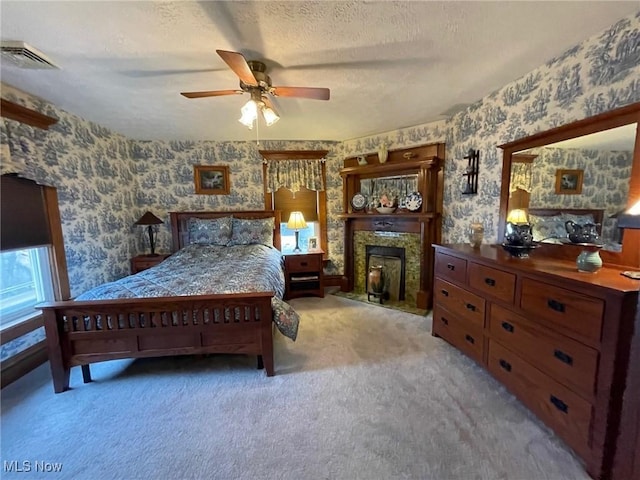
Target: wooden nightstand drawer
[(566, 360), (569, 414), (303, 263), (574, 311), (143, 262), (462, 335), (461, 303), (494, 282)]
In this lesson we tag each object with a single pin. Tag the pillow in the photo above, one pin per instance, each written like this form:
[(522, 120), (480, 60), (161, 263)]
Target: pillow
[(249, 231), (579, 219), (547, 227), (210, 231)]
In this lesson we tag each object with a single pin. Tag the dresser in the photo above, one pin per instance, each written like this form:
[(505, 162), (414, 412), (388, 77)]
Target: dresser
[(558, 339)]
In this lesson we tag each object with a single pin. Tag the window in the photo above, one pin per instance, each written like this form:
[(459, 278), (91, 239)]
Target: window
[(25, 281)]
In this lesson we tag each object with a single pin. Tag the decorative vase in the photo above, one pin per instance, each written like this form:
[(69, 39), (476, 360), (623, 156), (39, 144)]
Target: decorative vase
[(589, 259), (476, 234), (383, 153), (376, 279)]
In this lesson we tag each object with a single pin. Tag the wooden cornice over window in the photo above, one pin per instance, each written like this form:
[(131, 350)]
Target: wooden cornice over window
[(25, 115), (293, 154)]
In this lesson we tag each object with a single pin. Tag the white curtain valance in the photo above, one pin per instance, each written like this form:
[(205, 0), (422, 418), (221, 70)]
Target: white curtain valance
[(520, 176), (294, 174)]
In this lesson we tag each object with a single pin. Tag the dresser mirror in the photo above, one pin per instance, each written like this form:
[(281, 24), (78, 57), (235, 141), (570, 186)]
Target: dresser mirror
[(584, 172)]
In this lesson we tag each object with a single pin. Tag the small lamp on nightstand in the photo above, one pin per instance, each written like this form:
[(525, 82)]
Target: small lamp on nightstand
[(296, 222), (149, 220)]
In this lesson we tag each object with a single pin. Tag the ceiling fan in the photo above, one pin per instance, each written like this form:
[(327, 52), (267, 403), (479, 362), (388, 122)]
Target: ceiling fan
[(255, 81)]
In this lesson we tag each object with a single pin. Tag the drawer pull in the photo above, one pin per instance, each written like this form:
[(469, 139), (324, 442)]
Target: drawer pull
[(303, 264), (470, 339), (444, 320), (490, 281), (451, 267), (556, 305), (505, 365), (507, 326), (559, 404), (471, 307), (444, 292), (563, 357)]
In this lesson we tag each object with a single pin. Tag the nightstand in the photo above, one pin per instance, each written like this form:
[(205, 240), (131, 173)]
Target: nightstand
[(303, 274), (142, 262)]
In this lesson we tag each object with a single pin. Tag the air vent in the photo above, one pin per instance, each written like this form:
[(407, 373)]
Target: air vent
[(24, 55)]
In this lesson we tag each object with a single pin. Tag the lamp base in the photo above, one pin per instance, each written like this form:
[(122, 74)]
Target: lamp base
[(297, 249)]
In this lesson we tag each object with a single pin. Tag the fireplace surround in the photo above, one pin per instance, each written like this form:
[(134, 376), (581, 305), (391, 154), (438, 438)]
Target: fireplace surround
[(417, 229)]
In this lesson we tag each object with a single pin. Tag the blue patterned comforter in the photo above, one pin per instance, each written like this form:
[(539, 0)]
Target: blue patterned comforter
[(209, 269)]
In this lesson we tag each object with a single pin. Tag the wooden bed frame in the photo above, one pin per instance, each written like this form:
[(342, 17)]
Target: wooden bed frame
[(83, 332)]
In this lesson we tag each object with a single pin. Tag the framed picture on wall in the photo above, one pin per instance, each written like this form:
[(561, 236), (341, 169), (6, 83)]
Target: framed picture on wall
[(211, 179), (569, 182)]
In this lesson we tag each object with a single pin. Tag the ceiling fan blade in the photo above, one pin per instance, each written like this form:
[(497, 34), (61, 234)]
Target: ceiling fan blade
[(211, 93), (302, 92), (239, 65)]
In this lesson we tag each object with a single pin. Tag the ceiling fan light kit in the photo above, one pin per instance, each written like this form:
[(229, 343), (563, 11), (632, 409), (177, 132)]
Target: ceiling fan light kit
[(255, 81)]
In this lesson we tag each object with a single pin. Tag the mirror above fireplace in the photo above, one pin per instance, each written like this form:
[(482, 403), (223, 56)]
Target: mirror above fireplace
[(601, 156)]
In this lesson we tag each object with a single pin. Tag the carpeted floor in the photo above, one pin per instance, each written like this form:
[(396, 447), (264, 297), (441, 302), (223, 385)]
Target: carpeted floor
[(364, 393)]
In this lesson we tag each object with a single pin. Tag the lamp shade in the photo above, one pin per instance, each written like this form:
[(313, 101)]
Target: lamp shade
[(148, 219), (517, 215), (296, 221)]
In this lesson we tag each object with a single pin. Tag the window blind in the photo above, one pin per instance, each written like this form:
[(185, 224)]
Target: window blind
[(23, 214), (305, 201)]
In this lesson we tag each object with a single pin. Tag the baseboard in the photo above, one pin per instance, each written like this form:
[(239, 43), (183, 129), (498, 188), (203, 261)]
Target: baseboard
[(22, 363)]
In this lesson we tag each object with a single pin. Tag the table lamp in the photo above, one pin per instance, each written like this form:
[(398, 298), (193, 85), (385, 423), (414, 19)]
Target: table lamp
[(517, 216), (149, 220), (296, 222)]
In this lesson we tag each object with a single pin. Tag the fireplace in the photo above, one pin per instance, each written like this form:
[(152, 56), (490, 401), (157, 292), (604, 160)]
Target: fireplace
[(392, 261), (398, 252)]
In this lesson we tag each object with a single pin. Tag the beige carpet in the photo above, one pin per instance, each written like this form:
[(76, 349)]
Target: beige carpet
[(364, 393)]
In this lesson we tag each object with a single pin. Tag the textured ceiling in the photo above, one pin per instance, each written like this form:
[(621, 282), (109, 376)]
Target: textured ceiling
[(388, 64)]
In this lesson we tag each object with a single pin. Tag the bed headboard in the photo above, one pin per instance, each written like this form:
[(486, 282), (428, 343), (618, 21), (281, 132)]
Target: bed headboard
[(180, 221), (559, 230)]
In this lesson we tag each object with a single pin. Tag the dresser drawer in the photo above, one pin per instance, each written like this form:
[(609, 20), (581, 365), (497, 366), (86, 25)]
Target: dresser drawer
[(566, 412), (579, 313), (460, 334), (303, 263), (566, 360), (494, 282), (460, 302), (453, 268)]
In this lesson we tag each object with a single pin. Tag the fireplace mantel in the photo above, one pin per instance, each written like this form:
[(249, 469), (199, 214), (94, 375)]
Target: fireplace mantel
[(426, 161)]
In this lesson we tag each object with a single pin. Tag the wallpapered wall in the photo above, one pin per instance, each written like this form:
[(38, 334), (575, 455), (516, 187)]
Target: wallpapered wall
[(106, 181)]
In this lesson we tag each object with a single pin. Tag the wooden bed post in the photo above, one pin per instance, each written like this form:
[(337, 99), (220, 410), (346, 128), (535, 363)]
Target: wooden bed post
[(266, 332), (59, 371)]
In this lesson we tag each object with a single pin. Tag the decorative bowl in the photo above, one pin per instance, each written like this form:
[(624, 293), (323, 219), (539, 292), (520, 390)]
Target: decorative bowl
[(386, 210), (519, 251)]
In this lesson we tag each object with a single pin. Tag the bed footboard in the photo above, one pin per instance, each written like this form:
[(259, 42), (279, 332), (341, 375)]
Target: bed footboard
[(84, 332)]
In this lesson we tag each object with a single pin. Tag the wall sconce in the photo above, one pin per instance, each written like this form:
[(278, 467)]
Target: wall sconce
[(150, 221), (296, 222)]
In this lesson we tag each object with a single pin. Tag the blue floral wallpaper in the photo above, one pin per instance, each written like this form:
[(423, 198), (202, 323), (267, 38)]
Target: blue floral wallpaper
[(106, 181)]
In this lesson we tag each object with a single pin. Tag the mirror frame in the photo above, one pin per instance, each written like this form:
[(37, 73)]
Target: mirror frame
[(629, 256)]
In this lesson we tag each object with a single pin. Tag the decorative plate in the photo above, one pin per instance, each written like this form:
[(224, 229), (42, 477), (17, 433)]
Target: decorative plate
[(413, 201), (358, 201)]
